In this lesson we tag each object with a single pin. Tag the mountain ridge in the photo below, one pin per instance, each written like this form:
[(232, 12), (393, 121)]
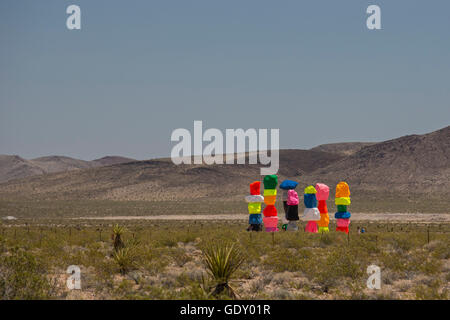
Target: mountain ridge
[(409, 164), (15, 167)]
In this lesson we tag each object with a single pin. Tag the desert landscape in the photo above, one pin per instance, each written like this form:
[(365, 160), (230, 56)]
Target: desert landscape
[(410, 174), (163, 259), (143, 229)]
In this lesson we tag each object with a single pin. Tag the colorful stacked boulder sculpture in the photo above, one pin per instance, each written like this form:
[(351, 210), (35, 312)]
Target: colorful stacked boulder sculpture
[(342, 201), (254, 201), (290, 204), (311, 213), (270, 196), (323, 191)]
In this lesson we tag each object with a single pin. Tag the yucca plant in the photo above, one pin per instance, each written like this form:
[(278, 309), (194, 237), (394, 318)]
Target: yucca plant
[(221, 261), (117, 237), (125, 258)]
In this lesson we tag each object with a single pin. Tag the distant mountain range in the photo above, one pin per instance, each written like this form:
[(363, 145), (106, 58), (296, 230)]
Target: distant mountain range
[(415, 164), (344, 148), (15, 167)]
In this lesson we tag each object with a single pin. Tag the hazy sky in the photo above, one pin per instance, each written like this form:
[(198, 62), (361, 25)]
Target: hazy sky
[(137, 70)]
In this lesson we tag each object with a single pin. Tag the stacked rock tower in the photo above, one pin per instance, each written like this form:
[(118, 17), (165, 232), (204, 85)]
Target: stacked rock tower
[(342, 201), (254, 201), (323, 191), (270, 196), (290, 204), (311, 213)]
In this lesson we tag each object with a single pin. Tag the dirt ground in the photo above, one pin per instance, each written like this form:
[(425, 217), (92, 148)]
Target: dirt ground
[(385, 217)]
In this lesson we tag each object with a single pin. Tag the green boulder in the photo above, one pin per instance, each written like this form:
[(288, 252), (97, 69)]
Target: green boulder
[(270, 181)]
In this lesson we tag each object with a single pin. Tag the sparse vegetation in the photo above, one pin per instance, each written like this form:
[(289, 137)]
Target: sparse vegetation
[(165, 260), (23, 277), (117, 237), (125, 259), (222, 260)]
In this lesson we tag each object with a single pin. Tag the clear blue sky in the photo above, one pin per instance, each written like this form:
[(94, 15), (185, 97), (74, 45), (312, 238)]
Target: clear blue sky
[(139, 69)]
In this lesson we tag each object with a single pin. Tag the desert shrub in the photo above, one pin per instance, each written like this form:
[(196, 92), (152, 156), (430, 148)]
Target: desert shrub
[(339, 264), (189, 276), (154, 260), (167, 242), (292, 260), (430, 266), (179, 256), (23, 277), (440, 249), (222, 260), (433, 291), (104, 274), (282, 278), (257, 286), (187, 237), (326, 240), (395, 262), (195, 291), (125, 259), (357, 291), (118, 231), (282, 294), (385, 295), (402, 244)]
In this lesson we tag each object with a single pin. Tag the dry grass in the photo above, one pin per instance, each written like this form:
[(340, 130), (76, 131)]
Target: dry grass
[(167, 261)]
